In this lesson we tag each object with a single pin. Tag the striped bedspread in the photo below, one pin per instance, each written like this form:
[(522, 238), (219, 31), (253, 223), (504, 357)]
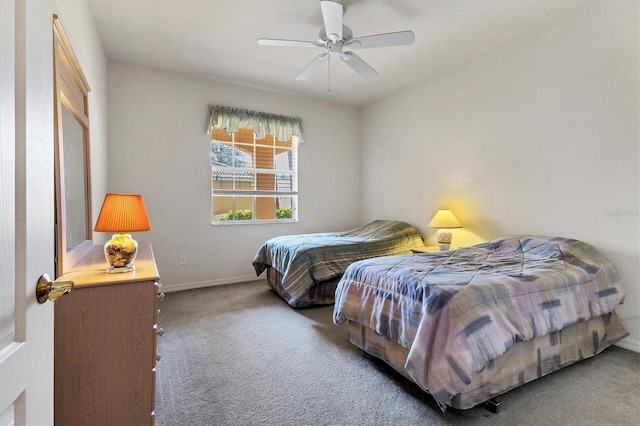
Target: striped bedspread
[(308, 259), (456, 311)]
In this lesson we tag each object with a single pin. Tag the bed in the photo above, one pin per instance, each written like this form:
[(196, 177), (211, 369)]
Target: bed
[(470, 324), (305, 269)]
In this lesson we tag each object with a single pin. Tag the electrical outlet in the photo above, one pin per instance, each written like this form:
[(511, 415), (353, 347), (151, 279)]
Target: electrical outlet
[(183, 259)]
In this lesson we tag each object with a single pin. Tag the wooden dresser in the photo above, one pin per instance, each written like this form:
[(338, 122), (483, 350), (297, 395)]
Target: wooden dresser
[(105, 343)]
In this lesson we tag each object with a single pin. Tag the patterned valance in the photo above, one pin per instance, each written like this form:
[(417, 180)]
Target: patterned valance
[(262, 123)]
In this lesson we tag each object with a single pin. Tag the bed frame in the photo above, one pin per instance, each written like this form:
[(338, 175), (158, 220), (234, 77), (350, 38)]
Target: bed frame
[(524, 362), (320, 294)]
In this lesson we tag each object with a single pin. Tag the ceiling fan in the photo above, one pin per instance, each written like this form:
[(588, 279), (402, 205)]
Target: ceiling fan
[(335, 36)]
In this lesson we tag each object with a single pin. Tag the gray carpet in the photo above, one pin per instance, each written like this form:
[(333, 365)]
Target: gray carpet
[(239, 355)]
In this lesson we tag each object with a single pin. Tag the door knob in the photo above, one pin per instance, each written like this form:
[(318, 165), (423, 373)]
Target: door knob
[(51, 290)]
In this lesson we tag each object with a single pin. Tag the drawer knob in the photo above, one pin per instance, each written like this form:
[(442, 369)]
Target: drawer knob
[(158, 357), (160, 332), (161, 297)]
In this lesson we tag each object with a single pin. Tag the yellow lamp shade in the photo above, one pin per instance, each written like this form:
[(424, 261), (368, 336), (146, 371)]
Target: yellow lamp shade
[(444, 219)]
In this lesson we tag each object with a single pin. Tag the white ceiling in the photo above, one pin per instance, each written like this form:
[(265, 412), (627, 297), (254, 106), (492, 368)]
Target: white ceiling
[(217, 39)]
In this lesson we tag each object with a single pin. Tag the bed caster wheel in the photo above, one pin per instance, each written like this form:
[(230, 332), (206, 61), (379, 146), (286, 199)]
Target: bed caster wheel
[(492, 405)]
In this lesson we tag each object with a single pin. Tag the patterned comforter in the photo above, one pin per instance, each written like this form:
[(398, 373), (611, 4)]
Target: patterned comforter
[(309, 259), (456, 311)]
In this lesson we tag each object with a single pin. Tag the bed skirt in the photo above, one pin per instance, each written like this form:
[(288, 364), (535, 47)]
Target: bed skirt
[(319, 294), (524, 362)]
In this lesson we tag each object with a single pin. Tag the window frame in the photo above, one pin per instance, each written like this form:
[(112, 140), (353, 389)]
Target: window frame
[(255, 172)]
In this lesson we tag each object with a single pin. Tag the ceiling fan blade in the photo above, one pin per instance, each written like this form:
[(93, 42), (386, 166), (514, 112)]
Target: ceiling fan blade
[(400, 38), (312, 67), (288, 43), (358, 65), (332, 16)]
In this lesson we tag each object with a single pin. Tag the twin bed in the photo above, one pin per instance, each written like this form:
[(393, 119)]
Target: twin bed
[(467, 325), (305, 269)]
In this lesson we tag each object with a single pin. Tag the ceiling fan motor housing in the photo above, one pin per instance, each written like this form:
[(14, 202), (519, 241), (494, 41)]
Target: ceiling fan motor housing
[(347, 35)]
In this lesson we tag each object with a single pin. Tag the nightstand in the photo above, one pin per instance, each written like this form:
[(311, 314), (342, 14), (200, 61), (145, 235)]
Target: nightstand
[(425, 249)]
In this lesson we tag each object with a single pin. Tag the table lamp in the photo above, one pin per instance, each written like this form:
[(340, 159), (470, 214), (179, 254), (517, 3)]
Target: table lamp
[(444, 220), (121, 214)]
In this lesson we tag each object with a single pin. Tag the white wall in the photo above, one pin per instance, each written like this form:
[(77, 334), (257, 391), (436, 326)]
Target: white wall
[(82, 33), (158, 148), (538, 137)]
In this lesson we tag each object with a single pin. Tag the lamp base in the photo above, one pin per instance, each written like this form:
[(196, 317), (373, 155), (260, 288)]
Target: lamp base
[(444, 246), (120, 252), (120, 270), (444, 239)]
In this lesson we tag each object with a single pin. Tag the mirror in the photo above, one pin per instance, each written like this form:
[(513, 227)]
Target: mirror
[(74, 181), (74, 238)]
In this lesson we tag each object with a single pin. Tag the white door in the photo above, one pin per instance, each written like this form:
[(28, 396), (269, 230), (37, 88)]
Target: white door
[(26, 211)]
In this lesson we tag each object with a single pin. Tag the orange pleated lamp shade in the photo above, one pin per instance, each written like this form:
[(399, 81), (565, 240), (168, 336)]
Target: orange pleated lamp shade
[(123, 213)]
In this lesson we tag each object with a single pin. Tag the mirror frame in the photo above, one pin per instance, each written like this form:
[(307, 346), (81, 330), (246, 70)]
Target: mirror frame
[(70, 91)]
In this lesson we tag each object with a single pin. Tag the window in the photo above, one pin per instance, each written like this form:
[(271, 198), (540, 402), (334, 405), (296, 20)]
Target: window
[(254, 166), (253, 180)]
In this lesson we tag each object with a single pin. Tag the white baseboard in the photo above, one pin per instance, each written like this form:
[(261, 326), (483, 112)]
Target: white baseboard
[(168, 288), (628, 343)]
